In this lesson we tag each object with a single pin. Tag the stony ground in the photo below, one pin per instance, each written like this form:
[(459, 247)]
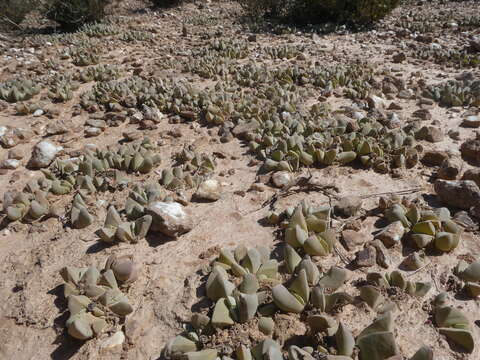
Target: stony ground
[(207, 48)]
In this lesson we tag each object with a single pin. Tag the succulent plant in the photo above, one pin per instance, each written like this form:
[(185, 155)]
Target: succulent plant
[(396, 279), (92, 296), (98, 73), (125, 268), (26, 206), (136, 35), (79, 216), (101, 29), (376, 341), (470, 275), (19, 90), (117, 230), (455, 92), (83, 56), (308, 229), (453, 323), (427, 227)]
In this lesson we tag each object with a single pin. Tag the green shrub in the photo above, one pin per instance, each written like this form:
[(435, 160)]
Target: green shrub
[(355, 12), (13, 12), (71, 14)]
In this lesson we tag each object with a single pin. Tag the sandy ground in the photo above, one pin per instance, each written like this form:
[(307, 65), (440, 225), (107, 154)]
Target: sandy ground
[(32, 308)]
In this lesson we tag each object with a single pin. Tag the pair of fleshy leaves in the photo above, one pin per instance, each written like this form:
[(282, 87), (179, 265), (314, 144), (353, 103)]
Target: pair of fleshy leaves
[(117, 230)]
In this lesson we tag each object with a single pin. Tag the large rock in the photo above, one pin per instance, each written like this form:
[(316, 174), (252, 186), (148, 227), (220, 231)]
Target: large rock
[(352, 239), (282, 179), (43, 154), (462, 194), (376, 102), (365, 257), (472, 121), (470, 150), (450, 169), (170, 218), (472, 174), (434, 157), (210, 190), (430, 133), (391, 234)]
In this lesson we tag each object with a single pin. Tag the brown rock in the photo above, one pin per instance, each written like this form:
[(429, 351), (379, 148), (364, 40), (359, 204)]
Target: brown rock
[(399, 57), (450, 169), (391, 234), (472, 174), (352, 239), (365, 257), (423, 114), (471, 121), (434, 157), (240, 131), (382, 257), (470, 150), (429, 133), (462, 194), (463, 219)]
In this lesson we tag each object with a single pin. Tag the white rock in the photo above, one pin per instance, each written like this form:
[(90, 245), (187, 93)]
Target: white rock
[(3, 130), (92, 131), (113, 341), (282, 178), (376, 102), (10, 164), (169, 218), (209, 190), (358, 115), (38, 112), (43, 154)]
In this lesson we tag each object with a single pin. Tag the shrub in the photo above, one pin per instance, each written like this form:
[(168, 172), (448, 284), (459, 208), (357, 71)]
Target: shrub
[(71, 14), (13, 12), (355, 12)]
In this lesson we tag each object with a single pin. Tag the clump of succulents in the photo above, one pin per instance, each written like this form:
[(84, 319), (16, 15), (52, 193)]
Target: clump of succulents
[(308, 229), (470, 275), (84, 55), (99, 73), (135, 35), (453, 323), (455, 93), (100, 29), (94, 297), (26, 206), (117, 230), (426, 227), (373, 297), (61, 90), (19, 90), (453, 57), (283, 51)]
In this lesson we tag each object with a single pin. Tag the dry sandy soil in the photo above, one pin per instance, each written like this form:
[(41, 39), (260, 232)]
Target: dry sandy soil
[(32, 308)]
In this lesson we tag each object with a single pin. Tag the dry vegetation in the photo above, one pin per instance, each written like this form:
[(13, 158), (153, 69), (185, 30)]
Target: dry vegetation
[(188, 182)]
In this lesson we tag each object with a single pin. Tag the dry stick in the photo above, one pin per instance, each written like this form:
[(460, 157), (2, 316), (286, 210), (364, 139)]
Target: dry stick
[(303, 186), (342, 257), (418, 270), (399, 192), (11, 22)]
